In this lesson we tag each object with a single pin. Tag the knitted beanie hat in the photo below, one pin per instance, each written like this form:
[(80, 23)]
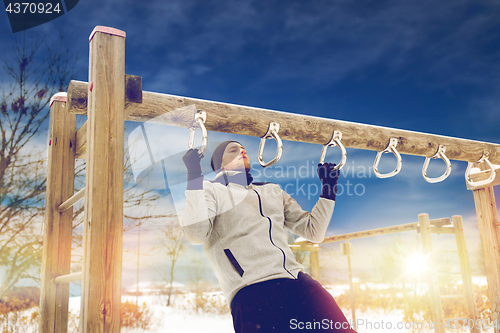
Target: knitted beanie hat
[(217, 155)]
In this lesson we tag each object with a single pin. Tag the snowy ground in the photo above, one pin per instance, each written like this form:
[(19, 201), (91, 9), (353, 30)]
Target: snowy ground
[(168, 319)]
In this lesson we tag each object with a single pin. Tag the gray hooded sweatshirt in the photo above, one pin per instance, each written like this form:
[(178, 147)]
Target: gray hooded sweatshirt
[(242, 229)]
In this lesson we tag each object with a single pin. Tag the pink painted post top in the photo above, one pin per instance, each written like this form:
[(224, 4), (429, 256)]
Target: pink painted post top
[(59, 97), (107, 30)]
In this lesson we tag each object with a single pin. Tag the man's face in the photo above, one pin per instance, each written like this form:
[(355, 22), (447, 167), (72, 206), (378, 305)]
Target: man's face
[(235, 158)]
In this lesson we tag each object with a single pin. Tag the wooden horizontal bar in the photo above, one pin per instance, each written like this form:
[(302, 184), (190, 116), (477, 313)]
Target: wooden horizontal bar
[(133, 89), (305, 247), (244, 120), (73, 277), (362, 234), (77, 96), (442, 230), (381, 231), (71, 201), (441, 222)]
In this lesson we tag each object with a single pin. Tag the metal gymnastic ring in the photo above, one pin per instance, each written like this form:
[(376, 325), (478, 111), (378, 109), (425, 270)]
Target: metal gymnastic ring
[(335, 141), (484, 158), (440, 153), (199, 118), (390, 148), (272, 132)]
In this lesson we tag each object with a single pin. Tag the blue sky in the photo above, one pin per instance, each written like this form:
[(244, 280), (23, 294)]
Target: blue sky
[(424, 65)]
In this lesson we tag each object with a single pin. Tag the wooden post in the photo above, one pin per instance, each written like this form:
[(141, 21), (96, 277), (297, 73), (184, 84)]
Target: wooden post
[(101, 285), (458, 226), (314, 261), (57, 230), (133, 95), (425, 232), (347, 250), (351, 291), (487, 219)]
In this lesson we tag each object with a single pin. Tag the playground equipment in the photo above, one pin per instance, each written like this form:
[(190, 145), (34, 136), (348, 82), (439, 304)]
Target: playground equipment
[(425, 228), (335, 141), (111, 97)]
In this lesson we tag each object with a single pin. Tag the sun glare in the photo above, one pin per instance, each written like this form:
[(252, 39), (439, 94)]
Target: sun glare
[(416, 264)]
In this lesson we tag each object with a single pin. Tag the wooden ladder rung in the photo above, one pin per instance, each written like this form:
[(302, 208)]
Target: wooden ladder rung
[(71, 201), (442, 230), (73, 277), (440, 222), (452, 296)]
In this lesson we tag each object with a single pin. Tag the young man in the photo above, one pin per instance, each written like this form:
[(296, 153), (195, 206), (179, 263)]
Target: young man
[(242, 226)]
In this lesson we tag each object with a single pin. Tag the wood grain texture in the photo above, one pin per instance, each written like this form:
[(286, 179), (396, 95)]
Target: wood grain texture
[(436, 223), (314, 261), (81, 142), (487, 219), (442, 230), (56, 257), (425, 232), (444, 221), (183, 116), (78, 97), (244, 120), (72, 200), (133, 89), (463, 256), (101, 294), (68, 278)]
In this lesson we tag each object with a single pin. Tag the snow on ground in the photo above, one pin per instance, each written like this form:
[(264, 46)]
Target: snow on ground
[(171, 319), (168, 319)]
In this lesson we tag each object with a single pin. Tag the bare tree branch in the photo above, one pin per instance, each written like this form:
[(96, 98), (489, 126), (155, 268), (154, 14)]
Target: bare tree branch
[(33, 74)]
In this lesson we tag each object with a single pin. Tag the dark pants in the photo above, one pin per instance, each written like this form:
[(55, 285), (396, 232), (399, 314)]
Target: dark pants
[(287, 305)]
